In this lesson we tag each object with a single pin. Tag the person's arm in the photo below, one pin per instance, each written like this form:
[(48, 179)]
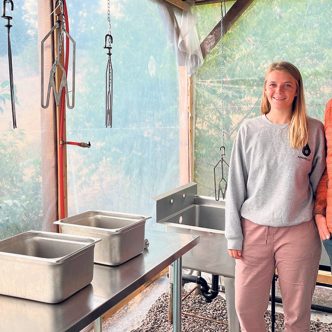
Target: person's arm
[(235, 196), (320, 207), (322, 188)]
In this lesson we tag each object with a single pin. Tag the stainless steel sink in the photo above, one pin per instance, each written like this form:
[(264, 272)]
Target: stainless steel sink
[(208, 217), (46, 267), (183, 211)]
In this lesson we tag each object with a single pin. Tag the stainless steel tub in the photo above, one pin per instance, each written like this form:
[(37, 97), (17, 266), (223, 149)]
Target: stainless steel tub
[(46, 267), (122, 235)]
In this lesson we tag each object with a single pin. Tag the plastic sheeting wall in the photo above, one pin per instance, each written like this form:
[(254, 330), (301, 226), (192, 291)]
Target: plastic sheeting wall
[(127, 165), (228, 87), (20, 149), (138, 158)]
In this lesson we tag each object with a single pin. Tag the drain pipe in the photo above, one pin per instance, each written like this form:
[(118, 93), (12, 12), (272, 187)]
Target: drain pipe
[(208, 293)]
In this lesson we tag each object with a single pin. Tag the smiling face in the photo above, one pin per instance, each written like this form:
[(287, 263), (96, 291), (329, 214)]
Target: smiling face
[(280, 90)]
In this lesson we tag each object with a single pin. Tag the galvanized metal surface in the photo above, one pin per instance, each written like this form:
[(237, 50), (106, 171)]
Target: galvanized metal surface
[(46, 267), (109, 286), (122, 235)]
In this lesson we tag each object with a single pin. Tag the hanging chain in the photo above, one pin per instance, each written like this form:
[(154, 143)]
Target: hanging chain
[(222, 59), (62, 27), (109, 16)]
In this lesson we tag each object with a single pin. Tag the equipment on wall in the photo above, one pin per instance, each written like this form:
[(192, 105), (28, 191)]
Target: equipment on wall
[(220, 186), (62, 51), (10, 57), (109, 71)]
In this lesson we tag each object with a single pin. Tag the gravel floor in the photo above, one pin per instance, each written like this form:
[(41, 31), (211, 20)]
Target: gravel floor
[(212, 317)]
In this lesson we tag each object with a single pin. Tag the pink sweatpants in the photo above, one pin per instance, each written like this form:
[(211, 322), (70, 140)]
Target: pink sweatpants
[(295, 252)]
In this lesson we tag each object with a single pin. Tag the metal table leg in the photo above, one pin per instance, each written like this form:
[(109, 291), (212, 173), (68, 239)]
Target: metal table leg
[(177, 285), (98, 326), (233, 321)]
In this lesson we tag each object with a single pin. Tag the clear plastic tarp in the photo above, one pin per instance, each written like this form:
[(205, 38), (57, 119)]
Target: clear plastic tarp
[(127, 165)]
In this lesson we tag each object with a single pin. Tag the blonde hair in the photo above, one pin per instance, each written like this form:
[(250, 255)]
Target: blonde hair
[(298, 128)]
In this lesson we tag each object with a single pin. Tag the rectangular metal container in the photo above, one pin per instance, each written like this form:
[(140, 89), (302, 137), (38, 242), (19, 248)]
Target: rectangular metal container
[(44, 266), (122, 235)]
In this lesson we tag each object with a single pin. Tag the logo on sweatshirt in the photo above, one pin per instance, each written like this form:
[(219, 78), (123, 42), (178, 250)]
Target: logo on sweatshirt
[(306, 150), (305, 153)]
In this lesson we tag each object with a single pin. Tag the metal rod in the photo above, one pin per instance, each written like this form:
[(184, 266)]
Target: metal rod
[(273, 303), (177, 284), (10, 58), (11, 79), (97, 325)]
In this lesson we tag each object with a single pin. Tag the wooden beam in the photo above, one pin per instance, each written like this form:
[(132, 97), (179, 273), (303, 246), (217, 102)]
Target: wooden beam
[(324, 277), (179, 4), (207, 2), (230, 18)]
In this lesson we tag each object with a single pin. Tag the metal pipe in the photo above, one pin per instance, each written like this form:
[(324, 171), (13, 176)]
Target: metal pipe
[(273, 303), (177, 274), (317, 307)]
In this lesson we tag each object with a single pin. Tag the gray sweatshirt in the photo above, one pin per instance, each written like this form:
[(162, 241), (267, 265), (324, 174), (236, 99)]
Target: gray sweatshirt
[(270, 183)]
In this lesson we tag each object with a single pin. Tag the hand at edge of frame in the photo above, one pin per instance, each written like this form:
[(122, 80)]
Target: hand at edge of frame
[(235, 253), (321, 223)]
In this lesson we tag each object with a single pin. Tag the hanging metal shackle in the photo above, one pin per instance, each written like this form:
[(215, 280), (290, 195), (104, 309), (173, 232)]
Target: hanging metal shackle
[(108, 43), (4, 14)]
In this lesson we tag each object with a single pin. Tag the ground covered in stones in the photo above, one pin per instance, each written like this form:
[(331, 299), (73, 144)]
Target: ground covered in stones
[(199, 316)]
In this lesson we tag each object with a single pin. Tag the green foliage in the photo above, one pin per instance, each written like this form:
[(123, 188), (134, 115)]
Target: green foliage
[(20, 183)]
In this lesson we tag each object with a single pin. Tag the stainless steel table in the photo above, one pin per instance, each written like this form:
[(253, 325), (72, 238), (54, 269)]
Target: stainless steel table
[(109, 286)]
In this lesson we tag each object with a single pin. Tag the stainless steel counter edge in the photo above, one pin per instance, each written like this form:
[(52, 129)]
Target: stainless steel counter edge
[(109, 286), (108, 303)]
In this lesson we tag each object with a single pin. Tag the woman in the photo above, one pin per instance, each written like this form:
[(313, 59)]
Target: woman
[(276, 164)]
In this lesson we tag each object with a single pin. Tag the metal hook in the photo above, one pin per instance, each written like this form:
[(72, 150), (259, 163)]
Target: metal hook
[(62, 34), (221, 186), (4, 9)]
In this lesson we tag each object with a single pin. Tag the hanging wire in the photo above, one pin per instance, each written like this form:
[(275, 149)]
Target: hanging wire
[(109, 71)]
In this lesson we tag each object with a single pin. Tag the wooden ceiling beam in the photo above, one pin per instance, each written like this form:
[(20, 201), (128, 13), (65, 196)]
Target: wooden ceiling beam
[(179, 4), (207, 2), (229, 19)]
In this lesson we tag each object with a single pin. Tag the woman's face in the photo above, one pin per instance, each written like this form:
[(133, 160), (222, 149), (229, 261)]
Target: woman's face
[(280, 90)]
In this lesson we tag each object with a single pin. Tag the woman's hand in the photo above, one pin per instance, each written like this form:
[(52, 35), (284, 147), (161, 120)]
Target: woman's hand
[(322, 227), (235, 253)]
